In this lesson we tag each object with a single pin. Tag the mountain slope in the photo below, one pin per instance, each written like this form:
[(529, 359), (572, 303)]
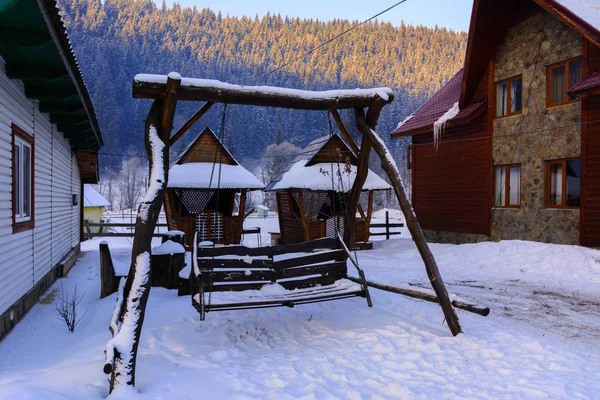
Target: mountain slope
[(115, 39)]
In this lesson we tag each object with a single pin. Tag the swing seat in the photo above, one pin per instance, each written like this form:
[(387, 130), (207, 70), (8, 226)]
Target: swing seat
[(240, 278)]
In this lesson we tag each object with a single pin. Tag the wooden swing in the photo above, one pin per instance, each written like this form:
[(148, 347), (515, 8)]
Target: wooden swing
[(273, 276), (239, 277), (367, 104)]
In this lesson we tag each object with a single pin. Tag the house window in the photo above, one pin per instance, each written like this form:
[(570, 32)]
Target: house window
[(563, 183), (22, 179), (509, 96), (507, 186), (562, 77)]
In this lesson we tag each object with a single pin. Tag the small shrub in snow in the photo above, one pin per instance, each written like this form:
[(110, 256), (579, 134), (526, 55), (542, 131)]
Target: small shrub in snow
[(67, 307)]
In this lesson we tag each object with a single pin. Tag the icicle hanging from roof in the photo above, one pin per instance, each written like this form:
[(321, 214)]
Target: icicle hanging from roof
[(440, 124)]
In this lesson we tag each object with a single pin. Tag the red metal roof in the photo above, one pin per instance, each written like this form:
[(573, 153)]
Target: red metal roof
[(423, 119), (588, 83)]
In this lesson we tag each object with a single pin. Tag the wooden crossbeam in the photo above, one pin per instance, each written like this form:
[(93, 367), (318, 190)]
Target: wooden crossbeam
[(219, 92), (344, 131), (190, 122)]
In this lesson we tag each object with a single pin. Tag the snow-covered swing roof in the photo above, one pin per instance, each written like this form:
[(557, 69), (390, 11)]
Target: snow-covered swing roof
[(193, 167), (313, 169)]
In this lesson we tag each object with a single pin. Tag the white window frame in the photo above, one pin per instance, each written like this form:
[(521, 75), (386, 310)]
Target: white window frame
[(22, 215)]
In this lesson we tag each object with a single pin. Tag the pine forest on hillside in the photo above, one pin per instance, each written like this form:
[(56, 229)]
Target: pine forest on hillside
[(116, 39)]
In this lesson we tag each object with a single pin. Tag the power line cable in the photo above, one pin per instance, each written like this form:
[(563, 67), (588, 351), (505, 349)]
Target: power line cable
[(323, 44)]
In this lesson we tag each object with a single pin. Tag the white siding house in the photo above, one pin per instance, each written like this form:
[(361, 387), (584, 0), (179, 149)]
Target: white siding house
[(38, 245)]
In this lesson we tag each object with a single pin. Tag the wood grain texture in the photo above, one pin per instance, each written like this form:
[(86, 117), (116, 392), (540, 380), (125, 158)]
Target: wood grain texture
[(452, 184)]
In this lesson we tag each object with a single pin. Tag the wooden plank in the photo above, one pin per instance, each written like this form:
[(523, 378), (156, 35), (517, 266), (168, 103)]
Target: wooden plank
[(207, 148), (444, 196), (109, 282), (337, 268), (327, 279), (335, 255), (218, 277), (392, 225), (335, 150), (190, 122), (113, 234), (115, 225), (269, 251), (209, 263), (385, 233), (287, 303), (237, 276)]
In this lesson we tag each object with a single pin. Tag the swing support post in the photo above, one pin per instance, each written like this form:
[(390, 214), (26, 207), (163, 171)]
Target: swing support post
[(390, 168)]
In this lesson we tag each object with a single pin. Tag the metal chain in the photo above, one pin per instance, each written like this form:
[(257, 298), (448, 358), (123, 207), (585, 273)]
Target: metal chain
[(343, 196), (221, 138), (333, 191)]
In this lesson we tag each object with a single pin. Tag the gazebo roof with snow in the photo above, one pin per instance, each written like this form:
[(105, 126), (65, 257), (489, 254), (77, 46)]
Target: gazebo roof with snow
[(91, 198), (194, 166), (312, 169)]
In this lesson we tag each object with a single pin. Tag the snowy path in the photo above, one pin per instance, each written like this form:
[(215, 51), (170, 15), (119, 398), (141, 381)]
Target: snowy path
[(540, 341)]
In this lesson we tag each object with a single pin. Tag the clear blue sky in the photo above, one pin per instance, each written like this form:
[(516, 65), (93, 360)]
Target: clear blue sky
[(453, 14)]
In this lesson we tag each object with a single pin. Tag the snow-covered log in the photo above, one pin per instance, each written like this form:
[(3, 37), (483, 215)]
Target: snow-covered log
[(427, 295), (146, 86), (121, 351)]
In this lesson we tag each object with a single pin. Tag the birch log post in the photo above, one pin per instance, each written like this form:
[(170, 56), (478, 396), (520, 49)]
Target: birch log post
[(121, 350), (390, 168)]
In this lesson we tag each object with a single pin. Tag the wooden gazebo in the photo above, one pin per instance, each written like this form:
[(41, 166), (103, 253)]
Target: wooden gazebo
[(313, 193), (194, 203)]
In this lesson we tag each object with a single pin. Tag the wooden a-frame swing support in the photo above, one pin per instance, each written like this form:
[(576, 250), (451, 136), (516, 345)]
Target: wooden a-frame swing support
[(166, 91)]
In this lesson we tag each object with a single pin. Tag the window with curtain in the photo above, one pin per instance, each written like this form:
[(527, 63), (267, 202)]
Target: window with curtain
[(509, 96), (22, 179), (507, 185), (561, 78), (563, 183)]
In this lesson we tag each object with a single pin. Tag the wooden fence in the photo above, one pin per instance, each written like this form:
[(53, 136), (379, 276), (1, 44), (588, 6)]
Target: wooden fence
[(388, 226), (106, 229)]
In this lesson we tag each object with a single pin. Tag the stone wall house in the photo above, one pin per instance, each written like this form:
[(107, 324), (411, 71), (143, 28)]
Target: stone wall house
[(512, 161)]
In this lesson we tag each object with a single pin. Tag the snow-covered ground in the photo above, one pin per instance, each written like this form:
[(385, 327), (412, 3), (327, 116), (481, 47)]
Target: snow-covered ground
[(540, 340)]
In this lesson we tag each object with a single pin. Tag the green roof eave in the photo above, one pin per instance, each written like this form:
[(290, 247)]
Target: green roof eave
[(36, 50)]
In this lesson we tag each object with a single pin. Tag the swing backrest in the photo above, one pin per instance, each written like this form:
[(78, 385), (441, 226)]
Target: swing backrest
[(294, 266)]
